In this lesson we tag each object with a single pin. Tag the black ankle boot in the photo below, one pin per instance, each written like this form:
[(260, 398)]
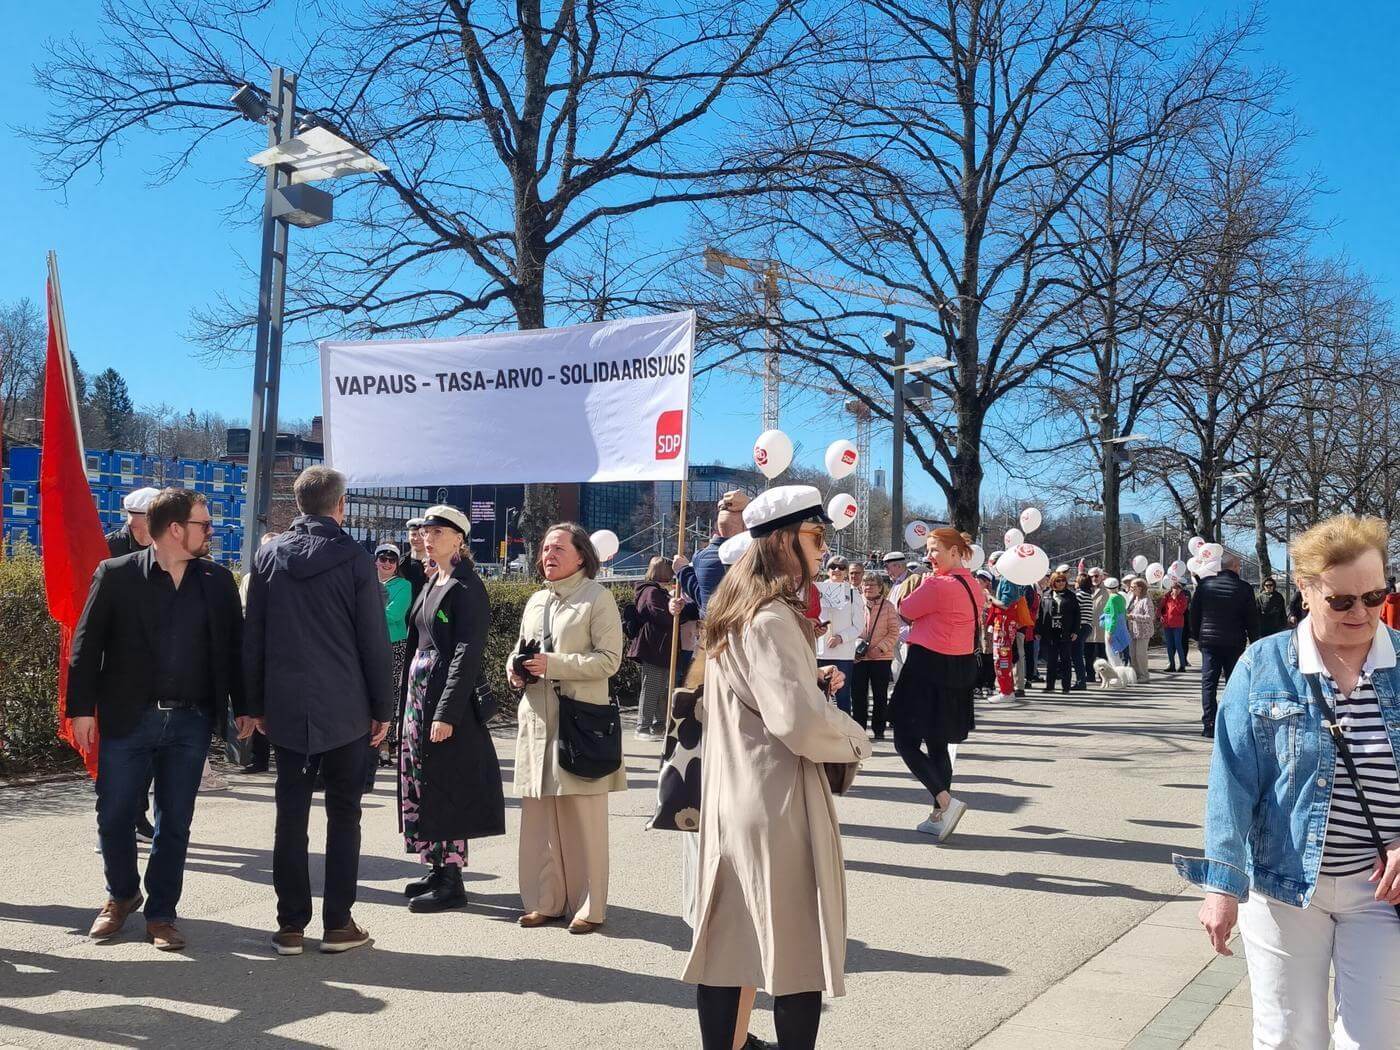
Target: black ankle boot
[(421, 886), (448, 893)]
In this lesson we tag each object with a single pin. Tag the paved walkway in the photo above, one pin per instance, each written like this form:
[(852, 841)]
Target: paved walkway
[(1059, 873)]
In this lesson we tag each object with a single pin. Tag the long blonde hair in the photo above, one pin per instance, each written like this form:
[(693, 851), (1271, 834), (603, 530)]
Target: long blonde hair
[(764, 574)]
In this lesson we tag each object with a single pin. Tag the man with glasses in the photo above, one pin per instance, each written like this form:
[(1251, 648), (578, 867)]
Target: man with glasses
[(155, 664), (1224, 618)]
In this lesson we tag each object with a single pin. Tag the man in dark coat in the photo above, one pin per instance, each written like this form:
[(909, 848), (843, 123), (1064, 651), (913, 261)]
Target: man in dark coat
[(1273, 612), (700, 578), (413, 568), (134, 535), (1224, 618), (318, 671), (154, 666)]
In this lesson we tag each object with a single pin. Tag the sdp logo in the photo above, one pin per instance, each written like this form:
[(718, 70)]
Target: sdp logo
[(669, 430)]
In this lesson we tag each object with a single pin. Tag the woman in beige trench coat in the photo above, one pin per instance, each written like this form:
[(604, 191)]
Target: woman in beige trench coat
[(564, 818), (772, 889)]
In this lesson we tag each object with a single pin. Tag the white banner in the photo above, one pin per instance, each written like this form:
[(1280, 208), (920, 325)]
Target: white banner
[(595, 402)]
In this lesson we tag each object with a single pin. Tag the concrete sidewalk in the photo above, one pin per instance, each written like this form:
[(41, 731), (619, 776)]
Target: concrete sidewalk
[(1077, 803)]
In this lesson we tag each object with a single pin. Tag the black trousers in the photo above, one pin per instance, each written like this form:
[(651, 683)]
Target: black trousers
[(1058, 664), (1214, 663), (344, 773), (870, 676), (1094, 651), (796, 1017)]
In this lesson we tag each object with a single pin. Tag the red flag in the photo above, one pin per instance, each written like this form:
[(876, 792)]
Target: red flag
[(69, 529)]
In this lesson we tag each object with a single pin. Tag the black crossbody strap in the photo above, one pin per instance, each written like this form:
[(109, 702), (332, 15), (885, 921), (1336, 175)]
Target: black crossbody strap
[(1339, 738), (976, 615)]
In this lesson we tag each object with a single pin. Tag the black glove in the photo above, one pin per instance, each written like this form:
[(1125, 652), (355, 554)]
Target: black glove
[(528, 649)]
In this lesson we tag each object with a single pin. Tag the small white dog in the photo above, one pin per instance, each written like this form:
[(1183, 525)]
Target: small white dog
[(1111, 677)]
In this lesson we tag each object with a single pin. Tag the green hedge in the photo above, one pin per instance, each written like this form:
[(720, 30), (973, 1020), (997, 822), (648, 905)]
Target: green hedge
[(29, 657)]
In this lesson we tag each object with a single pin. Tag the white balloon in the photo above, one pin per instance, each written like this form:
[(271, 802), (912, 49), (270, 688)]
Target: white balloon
[(1024, 564), (1194, 544), (1178, 569), (841, 509), (1014, 538), (1030, 520), (978, 559), (1209, 568), (606, 543), (772, 453), (992, 560), (1156, 573), (915, 533), (1210, 552), (841, 459), (1140, 563)]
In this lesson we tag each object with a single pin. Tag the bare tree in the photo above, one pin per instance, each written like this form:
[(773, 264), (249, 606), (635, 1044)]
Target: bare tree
[(21, 361), (513, 132), (942, 167)]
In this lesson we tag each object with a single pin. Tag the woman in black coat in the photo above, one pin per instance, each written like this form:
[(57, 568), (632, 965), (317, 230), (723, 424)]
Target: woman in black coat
[(1059, 625), (1273, 611), (449, 776)]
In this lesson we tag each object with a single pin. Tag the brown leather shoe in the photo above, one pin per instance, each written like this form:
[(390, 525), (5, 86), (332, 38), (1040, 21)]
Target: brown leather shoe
[(351, 935), (165, 936), (112, 917), (532, 919), (583, 926), (288, 940)]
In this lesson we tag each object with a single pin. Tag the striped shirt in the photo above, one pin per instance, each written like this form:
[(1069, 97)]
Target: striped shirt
[(1086, 607), (1348, 848)]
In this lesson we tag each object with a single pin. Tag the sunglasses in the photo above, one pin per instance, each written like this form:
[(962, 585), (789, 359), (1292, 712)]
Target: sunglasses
[(1343, 602), (815, 531), (386, 557), (207, 526)]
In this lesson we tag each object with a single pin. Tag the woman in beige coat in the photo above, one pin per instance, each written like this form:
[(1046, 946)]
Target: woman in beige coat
[(772, 888), (564, 818)]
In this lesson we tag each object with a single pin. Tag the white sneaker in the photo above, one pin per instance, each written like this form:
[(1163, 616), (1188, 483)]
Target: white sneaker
[(645, 734), (951, 816), (931, 824)]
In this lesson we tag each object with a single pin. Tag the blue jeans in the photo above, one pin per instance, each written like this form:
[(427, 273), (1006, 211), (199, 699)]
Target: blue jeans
[(1076, 655), (1176, 647), (842, 697), (172, 746)]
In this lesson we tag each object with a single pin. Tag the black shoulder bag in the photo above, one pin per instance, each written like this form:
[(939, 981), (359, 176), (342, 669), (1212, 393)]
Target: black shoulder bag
[(590, 735), (1330, 723), (863, 646)]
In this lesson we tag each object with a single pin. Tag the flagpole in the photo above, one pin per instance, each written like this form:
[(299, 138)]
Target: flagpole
[(680, 529), (60, 323)]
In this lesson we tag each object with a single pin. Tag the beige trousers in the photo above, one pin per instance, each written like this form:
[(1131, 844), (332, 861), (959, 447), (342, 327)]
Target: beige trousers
[(564, 856)]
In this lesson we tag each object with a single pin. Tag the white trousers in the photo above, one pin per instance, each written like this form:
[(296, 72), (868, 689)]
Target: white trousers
[(1291, 950)]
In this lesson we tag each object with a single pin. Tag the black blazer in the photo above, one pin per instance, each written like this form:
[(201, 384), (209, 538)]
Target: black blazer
[(461, 795), (111, 671)]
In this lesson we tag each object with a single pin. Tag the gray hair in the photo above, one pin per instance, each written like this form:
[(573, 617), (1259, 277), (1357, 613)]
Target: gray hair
[(319, 489)]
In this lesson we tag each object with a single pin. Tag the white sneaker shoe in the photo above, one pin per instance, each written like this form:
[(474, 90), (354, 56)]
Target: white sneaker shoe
[(931, 824), (951, 816)]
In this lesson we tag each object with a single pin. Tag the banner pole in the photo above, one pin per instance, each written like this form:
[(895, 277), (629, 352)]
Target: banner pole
[(680, 530)]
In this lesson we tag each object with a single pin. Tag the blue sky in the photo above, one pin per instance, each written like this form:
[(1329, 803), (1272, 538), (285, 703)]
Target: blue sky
[(137, 259)]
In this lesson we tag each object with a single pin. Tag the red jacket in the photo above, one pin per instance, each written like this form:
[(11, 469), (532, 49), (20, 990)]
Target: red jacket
[(1173, 609)]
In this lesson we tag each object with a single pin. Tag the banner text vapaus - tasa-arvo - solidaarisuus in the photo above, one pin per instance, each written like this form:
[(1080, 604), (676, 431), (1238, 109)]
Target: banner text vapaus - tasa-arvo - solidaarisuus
[(595, 402)]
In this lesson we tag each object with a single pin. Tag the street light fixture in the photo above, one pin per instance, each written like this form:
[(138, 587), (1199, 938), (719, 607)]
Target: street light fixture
[(296, 154)]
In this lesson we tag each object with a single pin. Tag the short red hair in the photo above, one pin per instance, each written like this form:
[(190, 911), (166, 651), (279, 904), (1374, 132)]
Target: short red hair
[(954, 540)]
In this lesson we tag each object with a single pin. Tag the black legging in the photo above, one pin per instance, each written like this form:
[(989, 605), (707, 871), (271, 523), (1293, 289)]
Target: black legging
[(934, 769), (1057, 662), (796, 1017)]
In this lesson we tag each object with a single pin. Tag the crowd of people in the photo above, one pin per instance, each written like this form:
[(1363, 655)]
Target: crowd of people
[(338, 660)]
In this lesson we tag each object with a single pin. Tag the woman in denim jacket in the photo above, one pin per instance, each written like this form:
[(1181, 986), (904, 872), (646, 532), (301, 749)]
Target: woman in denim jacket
[(1288, 851)]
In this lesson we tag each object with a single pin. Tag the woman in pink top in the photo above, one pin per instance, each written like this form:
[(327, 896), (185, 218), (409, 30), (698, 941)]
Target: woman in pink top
[(933, 697)]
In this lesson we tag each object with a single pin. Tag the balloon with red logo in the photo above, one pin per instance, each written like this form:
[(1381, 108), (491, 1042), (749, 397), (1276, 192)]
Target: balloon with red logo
[(841, 459), (1014, 538), (1194, 545), (976, 560), (606, 543), (772, 453), (1177, 570), (1024, 565), (915, 534), (1030, 520), (1156, 573), (841, 509), (1210, 552)]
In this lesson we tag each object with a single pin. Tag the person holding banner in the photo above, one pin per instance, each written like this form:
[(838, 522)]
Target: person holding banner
[(449, 776), (570, 644), (771, 905), (650, 646)]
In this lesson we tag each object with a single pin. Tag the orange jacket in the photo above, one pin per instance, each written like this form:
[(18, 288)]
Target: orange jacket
[(1390, 612)]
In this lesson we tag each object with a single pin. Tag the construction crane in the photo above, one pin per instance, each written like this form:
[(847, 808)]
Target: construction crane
[(770, 272)]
